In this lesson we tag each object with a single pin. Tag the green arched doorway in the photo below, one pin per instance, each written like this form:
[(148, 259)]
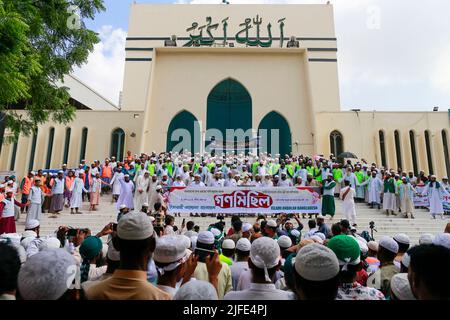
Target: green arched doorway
[(229, 107), (275, 121), (183, 133)]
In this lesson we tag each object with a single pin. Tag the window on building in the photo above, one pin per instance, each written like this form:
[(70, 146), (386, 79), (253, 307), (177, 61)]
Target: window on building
[(446, 151), (12, 164), (412, 141), (382, 148), (67, 145), (51, 137), (117, 143), (336, 143), (84, 136), (429, 155), (32, 152), (398, 149)]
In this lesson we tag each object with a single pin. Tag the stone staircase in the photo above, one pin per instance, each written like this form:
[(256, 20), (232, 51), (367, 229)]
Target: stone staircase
[(383, 224)]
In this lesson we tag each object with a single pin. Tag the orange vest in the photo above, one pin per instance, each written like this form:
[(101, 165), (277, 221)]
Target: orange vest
[(69, 182), (106, 172), (27, 185)]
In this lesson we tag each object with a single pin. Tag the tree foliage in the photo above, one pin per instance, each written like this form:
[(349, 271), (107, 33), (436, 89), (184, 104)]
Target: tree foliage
[(40, 42)]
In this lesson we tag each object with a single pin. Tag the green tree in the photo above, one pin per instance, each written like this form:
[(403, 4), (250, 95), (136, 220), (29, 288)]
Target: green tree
[(40, 42)]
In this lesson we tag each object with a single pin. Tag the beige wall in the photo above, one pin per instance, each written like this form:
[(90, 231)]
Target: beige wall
[(360, 133), (183, 78), (314, 24), (100, 126)]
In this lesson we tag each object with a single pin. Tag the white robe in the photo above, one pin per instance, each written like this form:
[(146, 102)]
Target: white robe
[(115, 182), (348, 205), (126, 194), (435, 197), (140, 198), (35, 209), (151, 194), (77, 193), (375, 186)]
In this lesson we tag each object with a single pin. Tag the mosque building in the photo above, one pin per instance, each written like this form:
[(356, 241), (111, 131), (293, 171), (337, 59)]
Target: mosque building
[(268, 72)]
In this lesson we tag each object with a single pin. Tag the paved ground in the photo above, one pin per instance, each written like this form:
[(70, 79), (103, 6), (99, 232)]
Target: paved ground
[(384, 225)]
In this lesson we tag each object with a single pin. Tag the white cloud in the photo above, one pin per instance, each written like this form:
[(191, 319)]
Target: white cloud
[(105, 67)]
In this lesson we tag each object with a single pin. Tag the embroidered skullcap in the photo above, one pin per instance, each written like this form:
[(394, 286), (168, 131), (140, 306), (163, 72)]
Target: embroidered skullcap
[(243, 244), (196, 290), (228, 244), (426, 238), (265, 254), (401, 288), (135, 226), (284, 242), (402, 238), (388, 243), (406, 259), (315, 262), (442, 239), (205, 237), (373, 245), (271, 223), (346, 249), (246, 227), (46, 275)]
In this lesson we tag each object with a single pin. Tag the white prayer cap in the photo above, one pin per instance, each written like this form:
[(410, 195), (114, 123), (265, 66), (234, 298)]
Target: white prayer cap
[(320, 235), (196, 290), (246, 227), (33, 173), (228, 244), (316, 262), (112, 253), (134, 226), (362, 245), (406, 259), (205, 237), (186, 240), (373, 245), (31, 224), (170, 249), (122, 206), (46, 275), (320, 217), (50, 242), (389, 244), (442, 239), (426, 238), (402, 238), (316, 239), (295, 233), (127, 175), (243, 244), (145, 204), (10, 182), (284, 242), (265, 254), (271, 223), (401, 288), (60, 171), (158, 187)]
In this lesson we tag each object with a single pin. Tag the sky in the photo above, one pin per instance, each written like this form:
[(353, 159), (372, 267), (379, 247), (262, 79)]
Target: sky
[(392, 55)]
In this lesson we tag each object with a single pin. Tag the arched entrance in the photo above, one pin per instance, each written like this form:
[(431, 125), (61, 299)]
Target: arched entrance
[(229, 107), (271, 122), (183, 133), (117, 143)]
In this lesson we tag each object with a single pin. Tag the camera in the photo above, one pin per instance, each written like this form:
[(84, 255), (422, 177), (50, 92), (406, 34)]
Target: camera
[(371, 225), (220, 217)]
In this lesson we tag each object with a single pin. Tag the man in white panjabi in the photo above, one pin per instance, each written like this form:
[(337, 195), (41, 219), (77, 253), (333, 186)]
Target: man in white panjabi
[(406, 192), (347, 195), (142, 190), (178, 182), (435, 193), (116, 183), (35, 199), (77, 193), (375, 187), (153, 183)]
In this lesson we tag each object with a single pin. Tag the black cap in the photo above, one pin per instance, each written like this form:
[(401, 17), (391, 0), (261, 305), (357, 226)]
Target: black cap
[(345, 223)]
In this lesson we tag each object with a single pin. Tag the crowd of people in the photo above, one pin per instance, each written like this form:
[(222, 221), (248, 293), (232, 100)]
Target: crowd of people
[(145, 255)]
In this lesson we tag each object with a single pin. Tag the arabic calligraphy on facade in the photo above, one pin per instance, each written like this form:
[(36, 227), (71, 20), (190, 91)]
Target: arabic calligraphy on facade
[(203, 35)]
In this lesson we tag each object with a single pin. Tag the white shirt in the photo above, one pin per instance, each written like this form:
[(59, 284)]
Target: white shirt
[(285, 183), (237, 268), (259, 291), (58, 186), (35, 195), (196, 185)]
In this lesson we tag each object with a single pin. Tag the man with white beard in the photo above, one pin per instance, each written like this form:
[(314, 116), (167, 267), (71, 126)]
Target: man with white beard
[(216, 182)]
